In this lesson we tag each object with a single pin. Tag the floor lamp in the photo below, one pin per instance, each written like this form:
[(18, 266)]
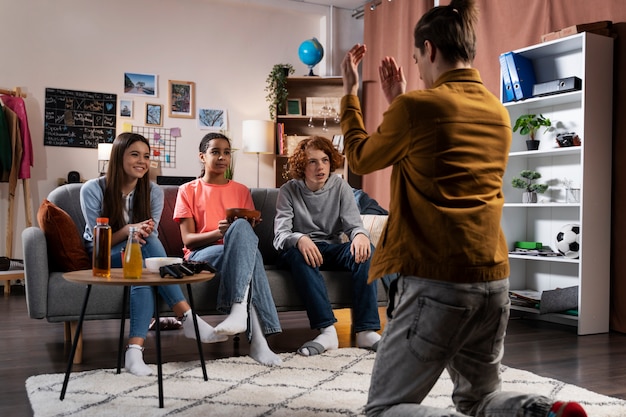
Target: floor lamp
[(258, 137)]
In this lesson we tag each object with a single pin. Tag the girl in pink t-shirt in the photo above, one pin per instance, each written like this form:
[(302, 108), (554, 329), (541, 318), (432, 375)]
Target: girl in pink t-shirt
[(232, 247)]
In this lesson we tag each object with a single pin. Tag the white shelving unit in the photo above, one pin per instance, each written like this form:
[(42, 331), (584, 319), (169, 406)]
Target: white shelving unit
[(588, 113)]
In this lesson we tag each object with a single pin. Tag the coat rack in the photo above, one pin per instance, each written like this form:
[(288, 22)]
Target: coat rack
[(9, 275)]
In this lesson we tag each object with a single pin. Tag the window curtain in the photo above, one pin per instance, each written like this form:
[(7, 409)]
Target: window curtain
[(503, 26)]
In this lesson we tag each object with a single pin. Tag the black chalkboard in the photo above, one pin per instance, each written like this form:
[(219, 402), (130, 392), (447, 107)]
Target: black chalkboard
[(79, 119)]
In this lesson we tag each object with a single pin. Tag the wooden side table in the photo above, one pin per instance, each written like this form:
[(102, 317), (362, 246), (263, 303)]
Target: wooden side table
[(8, 276), (150, 279)]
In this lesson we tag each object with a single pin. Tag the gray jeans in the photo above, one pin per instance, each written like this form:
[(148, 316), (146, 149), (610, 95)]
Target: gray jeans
[(441, 325)]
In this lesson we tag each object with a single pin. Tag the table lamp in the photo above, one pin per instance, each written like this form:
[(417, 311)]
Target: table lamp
[(104, 154), (258, 138)]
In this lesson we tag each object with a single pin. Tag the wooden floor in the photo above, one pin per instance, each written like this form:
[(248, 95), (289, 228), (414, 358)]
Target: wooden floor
[(30, 347)]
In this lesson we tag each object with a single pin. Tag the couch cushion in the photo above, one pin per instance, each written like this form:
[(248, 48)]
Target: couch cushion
[(169, 230), (66, 251)]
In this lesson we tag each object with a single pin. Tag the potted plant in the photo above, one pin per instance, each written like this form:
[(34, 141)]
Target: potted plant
[(276, 89), (530, 188), (528, 124)]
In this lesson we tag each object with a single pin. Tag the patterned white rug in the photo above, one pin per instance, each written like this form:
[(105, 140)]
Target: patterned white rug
[(331, 384)]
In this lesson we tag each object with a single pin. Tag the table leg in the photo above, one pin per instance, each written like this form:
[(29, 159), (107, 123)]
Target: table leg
[(120, 345), (195, 326), (79, 328), (158, 345)]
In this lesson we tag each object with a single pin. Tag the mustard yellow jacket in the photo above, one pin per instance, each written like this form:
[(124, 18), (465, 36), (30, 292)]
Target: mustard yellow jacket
[(449, 147)]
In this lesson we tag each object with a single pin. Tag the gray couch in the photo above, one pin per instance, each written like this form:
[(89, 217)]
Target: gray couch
[(50, 296)]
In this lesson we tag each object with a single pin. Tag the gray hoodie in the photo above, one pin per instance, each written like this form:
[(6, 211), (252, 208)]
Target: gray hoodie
[(322, 215)]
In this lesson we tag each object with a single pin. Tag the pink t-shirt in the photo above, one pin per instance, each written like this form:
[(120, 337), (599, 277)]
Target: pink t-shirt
[(207, 203)]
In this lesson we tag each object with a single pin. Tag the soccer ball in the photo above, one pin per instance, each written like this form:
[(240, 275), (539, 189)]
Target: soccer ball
[(568, 240)]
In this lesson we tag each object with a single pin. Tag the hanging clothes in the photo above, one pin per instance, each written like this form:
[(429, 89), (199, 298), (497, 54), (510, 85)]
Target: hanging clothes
[(11, 176), (6, 149), (27, 160)]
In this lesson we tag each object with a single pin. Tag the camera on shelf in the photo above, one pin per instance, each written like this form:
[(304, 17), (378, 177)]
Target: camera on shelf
[(566, 140)]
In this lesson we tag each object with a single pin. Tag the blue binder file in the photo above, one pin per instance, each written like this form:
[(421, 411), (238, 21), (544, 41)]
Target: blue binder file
[(507, 86), (522, 75)]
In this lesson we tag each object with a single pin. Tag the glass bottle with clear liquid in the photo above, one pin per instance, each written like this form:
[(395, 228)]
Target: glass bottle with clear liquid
[(101, 265), (133, 261)]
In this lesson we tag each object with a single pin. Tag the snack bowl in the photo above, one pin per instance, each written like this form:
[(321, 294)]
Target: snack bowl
[(153, 264), (242, 213)]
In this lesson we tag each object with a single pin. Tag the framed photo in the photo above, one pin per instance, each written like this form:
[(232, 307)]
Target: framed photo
[(182, 97), (126, 108), (140, 84), (294, 107), (212, 119), (154, 114)]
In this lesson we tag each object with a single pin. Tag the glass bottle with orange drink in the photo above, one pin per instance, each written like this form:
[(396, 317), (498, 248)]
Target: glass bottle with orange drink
[(133, 261)]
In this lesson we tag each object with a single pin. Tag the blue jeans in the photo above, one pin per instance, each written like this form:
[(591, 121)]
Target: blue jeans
[(141, 296), (439, 325), (312, 289), (241, 266)]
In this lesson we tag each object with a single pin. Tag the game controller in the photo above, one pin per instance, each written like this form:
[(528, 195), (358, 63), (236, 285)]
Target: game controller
[(172, 270), (186, 268), (198, 267)]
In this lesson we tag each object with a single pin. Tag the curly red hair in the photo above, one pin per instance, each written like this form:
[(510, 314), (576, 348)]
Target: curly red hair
[(299, 159)]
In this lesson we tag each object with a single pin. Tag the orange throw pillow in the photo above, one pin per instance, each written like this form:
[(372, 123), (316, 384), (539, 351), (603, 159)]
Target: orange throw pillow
[(66, 251)]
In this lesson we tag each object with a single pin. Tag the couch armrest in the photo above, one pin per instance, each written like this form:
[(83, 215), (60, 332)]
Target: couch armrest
[(375, 224), (36, 273)]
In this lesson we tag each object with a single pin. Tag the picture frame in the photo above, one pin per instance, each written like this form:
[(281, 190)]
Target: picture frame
[(294, 107), (182, 97), (212, 119), (126, 108), (154, 114), (140, 84)]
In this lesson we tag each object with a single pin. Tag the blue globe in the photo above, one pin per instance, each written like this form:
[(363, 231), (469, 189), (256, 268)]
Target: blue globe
[(311, 53)]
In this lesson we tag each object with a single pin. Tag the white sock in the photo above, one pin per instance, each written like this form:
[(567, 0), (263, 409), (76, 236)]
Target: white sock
[(367, 339), (133, 361), (207, 332), (237, 320), (259, 349), (327, 338)]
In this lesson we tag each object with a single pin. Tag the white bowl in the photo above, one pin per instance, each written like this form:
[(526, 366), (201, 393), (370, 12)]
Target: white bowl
[(153, 264)]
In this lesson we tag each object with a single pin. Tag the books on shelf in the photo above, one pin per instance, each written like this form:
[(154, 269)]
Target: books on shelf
[(601, 27), (525, 298)]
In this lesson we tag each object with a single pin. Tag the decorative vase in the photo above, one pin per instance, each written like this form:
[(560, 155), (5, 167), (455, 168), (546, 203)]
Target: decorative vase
[(532, 145), (529, 197)]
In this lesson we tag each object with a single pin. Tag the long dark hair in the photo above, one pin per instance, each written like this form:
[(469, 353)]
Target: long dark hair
[(204, 145), (112, 205), (299, 160), (451, 29)]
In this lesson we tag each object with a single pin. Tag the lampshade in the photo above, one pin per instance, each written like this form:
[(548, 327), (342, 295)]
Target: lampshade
[(104, 151), (258, 136)]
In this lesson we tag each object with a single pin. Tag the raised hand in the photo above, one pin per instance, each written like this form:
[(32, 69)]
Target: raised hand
[(392, 78), (349, 68)]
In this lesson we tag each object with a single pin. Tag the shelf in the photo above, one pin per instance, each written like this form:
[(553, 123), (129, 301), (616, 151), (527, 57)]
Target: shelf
[(587, 112), (303, 117), (547, 101), (541, 205), (549, 316), (559, 259), (572, 150)]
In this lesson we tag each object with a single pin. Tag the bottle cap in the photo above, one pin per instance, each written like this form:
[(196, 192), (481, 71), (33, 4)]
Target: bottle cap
[(102, 220)]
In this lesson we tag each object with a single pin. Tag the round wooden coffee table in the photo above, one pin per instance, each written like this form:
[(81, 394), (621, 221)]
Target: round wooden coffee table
[(148, 278)]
